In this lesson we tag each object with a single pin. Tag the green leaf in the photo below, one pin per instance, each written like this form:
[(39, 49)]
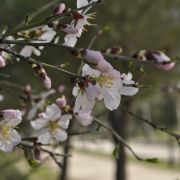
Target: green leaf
[(152, 160), (27, 19), (116, 152), (30, 156)]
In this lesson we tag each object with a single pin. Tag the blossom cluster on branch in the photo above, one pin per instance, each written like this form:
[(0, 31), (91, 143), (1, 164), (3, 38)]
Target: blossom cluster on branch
[(97, 81)]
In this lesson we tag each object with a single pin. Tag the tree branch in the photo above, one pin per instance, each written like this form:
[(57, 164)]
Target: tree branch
[(119, 139), (163, 129), (30, 60)]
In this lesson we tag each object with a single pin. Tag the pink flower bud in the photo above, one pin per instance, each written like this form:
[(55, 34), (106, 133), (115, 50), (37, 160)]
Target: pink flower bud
[(96, 58), (61, 102), (85, 118), (59, 8), (2, 61), (70, 29), (165, 67), (163, 61), (61, 88), (46, 82)]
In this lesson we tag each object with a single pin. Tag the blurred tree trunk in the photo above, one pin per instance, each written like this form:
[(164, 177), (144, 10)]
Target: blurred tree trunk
[(63, 175), (119, 122)]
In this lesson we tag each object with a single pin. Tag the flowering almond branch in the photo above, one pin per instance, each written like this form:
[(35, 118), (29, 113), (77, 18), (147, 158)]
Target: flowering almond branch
[(151, 60), (52, 18)]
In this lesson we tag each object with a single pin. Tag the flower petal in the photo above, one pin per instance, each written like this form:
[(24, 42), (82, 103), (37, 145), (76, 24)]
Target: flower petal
[(64, 121), (12, 117), (70, 40), (53, 112), (60, 135), (44, 138), (15, 138), (39, 123), (6, 146), (27, 51), (128, 91)]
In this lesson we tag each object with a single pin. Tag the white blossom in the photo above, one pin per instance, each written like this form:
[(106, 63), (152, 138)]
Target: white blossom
[(9, 137), (107, 87), (51, 125), (79, 23), (43, 34)]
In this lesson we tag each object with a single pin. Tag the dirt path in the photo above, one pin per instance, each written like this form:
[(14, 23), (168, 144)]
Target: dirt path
[(93, 167)]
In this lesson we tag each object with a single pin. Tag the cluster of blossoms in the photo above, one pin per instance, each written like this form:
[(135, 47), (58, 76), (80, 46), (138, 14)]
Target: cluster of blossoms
[(99, 81), (102, 82), (75, 29)]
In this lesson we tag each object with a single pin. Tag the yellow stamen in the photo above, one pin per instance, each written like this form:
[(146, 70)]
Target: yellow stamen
[(105, 80), (53, 125), (4, 130)]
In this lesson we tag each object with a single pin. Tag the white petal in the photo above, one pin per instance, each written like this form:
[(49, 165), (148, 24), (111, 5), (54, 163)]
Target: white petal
[(60, 135), (6, 146), (53, 112), (14, 121), (78, 101), (84, 118), (15, 138), (75, 91), (128, 91), (36, 51), (27, 51), (82, 3), (87, 70), (64, 121), (44, 138), (48, 36), (112, 100), (70, 40), (92, 92), (39, 123)]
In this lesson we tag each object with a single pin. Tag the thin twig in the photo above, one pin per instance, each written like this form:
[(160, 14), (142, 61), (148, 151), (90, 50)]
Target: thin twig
[(36, 13), (74, 49), (119, 138), (51, 19), (30, 60), (163, 129)]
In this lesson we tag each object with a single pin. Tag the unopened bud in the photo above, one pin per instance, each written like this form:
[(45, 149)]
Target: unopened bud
[(61, 102), (161, 60), (60, 8), (27, 89), (40, 71), (113, 50), (96, 59), (61, 88)]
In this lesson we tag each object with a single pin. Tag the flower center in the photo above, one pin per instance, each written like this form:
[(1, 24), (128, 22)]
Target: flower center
[(105, 80), (4, 130), (53, 125)]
